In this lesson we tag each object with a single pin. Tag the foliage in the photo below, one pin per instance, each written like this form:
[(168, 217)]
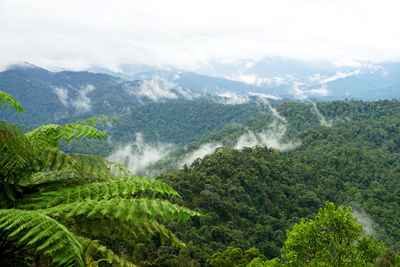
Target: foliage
[(249, 197), (6, 100), (333, 239), (234, 257), (252, 196), (51, 200)]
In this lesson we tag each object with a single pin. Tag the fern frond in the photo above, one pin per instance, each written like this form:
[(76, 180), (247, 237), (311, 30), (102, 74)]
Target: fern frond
[(78, 131), (14, 140), (93, 249), (80, 165), (99, 168), (56, 160), (123, 230), (132, 210), (121, 188), (47, 177), (8, 100), (94, 121), (48, 135), (41, 234), (17, 159)]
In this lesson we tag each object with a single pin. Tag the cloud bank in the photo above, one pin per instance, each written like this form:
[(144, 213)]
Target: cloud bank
[(76, 34)]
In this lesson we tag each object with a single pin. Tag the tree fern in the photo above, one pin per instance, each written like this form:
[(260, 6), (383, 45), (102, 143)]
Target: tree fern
[(8, 100), (49, 135), (124, 230), (42, 234), (131, 186), (16, 155), (80, 165), (54, 190), (132, 210), (93, 251)]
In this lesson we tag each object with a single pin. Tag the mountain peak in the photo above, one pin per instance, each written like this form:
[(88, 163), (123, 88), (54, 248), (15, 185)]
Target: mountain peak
[(24, 65)]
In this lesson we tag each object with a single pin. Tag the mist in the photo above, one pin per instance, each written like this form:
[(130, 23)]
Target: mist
[(203, 150), (62, 95), (272, 137), (322, 120), (263, 99), (82, 102), (139, 155), (156, 89), (365, 220), (231, 98)]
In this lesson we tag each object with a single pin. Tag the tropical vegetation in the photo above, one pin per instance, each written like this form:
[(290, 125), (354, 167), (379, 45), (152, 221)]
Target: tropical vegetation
[(74, 209)]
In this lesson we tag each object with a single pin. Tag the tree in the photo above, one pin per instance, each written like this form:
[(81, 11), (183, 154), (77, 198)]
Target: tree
[(235, 257), (334, 238), (54, 204)]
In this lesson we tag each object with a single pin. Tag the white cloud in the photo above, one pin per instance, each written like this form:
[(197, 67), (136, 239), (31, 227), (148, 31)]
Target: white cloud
[(265, 96), (186, 94), (322, 91), (270, 138), (297, 92), (347, 63), (323, 79), (75, 34), (203, 150), (138, 155), (304, 94), (156, 89), (62, 95), (340, 75), (253, 79), (322, 120), (365, 220), (82, 101), (232, 98)]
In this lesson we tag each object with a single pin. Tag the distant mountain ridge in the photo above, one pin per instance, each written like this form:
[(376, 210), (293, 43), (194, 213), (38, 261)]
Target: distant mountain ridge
[(50, 96), (280, 77)]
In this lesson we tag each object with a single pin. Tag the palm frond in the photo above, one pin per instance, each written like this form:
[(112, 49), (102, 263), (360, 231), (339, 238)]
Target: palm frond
[(8, 100), (41, 234)]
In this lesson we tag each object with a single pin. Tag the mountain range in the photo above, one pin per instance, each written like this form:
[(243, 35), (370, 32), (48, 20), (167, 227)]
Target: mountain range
[(280, 78)]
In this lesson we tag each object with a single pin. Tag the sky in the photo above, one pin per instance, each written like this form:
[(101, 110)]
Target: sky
[(187, 34)]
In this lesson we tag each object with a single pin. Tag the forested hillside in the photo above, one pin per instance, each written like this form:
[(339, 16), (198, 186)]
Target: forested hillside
[(250, 197), (269, 166)]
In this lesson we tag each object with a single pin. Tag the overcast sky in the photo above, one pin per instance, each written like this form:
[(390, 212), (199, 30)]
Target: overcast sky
[(75, 34)]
